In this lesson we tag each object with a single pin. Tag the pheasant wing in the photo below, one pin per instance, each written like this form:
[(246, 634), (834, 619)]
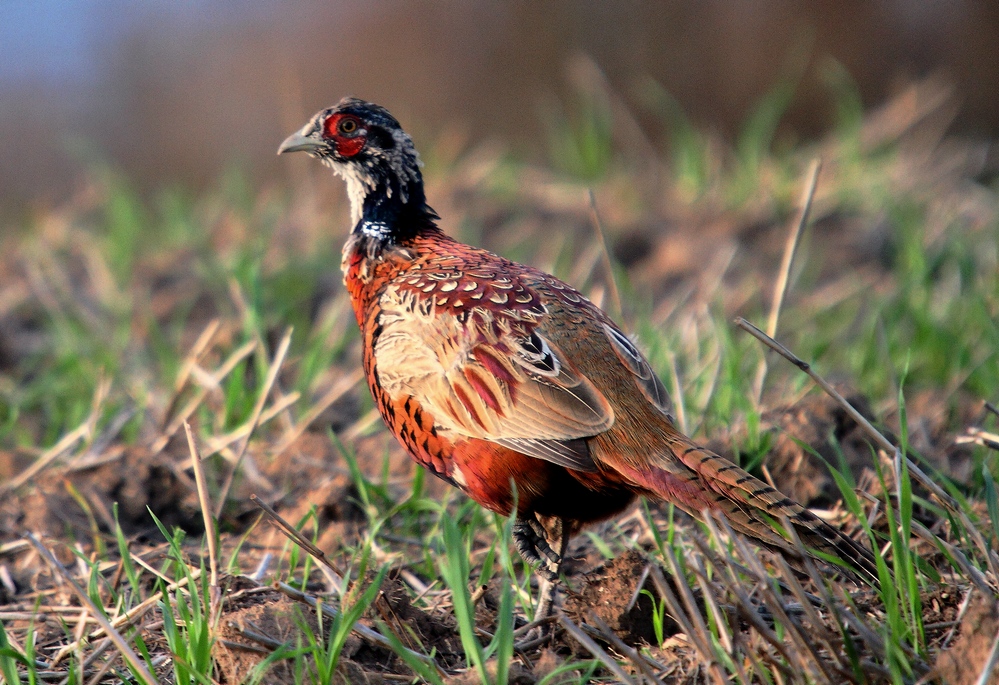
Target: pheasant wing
[(490, 374)]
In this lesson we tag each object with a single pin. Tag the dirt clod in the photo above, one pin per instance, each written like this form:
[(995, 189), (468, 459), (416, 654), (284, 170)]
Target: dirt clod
[(269, 615), (822, 425), (517, 675), (137, 481), (962, 664), (416, 627), (612, 593), (260, 620)]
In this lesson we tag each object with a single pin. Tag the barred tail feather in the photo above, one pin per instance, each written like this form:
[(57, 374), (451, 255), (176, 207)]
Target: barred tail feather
[(707, 481)]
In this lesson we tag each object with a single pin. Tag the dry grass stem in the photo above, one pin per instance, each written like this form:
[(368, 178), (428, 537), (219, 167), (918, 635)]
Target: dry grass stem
[(806, 657), (986, 677), (701, 634), (697, 635), (961, 611), (190, 362), (808, 603), (338, 390), (220, 443), (736, 589), (882, 441), (708, 593), (528, 627), (296, 537), (194, 355), (362, 425), (204, 500), (977, 436), (67, 442), (796, 228), (596, 650), (231, 362), (130, 617), (362, 630), (258, 407), (598, 228), (794, 235), (603, 631), (138, 667)]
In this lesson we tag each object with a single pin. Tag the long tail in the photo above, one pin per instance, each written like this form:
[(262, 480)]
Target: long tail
[(708, 481)]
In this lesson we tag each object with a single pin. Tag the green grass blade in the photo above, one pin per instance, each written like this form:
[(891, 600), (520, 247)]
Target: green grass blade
[(454, 570)]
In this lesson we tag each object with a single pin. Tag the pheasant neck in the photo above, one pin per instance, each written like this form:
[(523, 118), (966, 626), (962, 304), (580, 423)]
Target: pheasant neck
[(391, 212)]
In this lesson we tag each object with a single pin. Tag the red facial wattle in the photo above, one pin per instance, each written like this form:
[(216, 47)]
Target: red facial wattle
[(346, 145)]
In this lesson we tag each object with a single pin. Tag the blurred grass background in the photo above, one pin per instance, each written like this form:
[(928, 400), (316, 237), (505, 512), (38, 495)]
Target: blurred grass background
[(174, 93), (149, 201)]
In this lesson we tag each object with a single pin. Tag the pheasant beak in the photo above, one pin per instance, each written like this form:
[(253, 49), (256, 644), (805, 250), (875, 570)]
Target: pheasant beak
[(296, 142)]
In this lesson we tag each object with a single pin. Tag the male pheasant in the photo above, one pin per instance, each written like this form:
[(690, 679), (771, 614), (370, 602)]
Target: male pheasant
[(509, 384)]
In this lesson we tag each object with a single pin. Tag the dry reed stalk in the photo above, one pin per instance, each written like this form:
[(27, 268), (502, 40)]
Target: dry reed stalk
[(795, 230)]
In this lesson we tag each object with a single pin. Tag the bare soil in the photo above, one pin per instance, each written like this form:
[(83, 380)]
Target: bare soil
[(964, 661)]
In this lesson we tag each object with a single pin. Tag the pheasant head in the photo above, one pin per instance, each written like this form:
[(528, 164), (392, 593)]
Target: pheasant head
[(367, 147)]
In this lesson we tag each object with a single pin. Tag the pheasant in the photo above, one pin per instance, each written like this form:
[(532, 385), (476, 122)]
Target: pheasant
[(508, 383)]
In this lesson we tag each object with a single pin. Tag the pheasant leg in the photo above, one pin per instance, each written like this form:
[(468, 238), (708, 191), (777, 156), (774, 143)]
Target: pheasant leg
[(557, 539)]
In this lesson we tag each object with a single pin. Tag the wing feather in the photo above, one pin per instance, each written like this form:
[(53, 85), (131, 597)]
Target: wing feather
[(516, 388), (645, 377)]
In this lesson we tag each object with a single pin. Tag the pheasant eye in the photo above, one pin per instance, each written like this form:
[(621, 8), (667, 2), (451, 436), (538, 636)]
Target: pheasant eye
[(347, 126), (345, 133)]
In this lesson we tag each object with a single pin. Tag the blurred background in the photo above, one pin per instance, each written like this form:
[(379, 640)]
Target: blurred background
[(175, 92)]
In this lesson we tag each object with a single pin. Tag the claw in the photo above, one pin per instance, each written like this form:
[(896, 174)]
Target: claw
[(529, 538), (524, 542), (541, 544)]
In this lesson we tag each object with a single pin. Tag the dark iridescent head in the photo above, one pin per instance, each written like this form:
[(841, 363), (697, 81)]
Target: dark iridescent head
[(366, 146)]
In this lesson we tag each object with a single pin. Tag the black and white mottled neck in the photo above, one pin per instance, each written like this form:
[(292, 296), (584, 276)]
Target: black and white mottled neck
[(387, 200)]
